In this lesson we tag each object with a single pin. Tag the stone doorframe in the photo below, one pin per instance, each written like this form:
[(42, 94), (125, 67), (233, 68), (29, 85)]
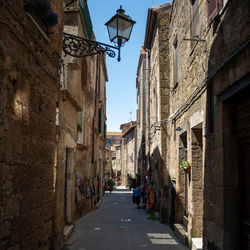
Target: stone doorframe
[(68, 184), (197, 182)]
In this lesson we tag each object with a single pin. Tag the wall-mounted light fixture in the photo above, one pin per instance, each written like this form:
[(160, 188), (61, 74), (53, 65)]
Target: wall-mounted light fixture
[(119, 29), (178, 129)]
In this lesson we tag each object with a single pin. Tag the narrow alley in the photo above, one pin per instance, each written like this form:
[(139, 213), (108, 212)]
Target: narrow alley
[(118, 224), (150, 96)]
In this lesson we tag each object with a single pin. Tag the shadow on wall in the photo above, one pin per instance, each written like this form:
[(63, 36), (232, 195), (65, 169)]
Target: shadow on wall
[(28, 94), (225, 188)]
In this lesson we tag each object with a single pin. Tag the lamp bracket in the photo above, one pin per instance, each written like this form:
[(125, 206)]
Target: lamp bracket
[(194, 39), (81, 47)]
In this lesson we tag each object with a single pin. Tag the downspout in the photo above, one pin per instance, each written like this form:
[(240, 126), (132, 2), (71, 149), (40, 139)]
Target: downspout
[(94, 117), (148, 110)]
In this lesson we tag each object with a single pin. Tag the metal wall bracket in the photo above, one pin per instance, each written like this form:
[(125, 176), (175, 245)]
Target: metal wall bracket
[(194, 39), (81, 47)]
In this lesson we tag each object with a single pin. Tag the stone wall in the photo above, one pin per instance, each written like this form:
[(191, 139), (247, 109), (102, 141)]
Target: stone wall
[(213, 60), (158, 99), (164, 99), (29, 80), (187, 113), (222, 227)]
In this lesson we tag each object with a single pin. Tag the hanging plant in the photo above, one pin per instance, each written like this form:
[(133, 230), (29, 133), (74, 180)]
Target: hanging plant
[(186, 166)]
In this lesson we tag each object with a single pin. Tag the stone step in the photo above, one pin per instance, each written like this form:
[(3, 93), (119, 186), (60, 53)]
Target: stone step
[(68, 231), (185, 221), (181, 233), (197, 243)]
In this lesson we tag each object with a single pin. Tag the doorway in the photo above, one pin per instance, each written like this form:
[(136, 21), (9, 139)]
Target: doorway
[(241, 121), (183, 176), (68, 185), (197, 179)]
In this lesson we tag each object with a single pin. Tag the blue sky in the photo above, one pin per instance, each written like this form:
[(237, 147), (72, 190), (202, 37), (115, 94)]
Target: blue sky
[(121, 88)]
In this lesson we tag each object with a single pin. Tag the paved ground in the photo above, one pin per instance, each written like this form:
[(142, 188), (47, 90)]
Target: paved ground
[(119, 225)]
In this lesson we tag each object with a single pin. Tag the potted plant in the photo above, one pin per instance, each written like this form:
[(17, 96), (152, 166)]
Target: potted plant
[(186, 166)]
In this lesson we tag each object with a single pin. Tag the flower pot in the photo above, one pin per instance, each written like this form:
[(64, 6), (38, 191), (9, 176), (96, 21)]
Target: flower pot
[(188, 169)]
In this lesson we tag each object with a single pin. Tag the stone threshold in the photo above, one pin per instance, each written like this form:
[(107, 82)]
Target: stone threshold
[(180, 232), (68, 229)]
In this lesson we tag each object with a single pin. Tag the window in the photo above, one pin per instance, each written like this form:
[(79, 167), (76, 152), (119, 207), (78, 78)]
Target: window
[(195, 26), (175, 62), (80, 127), (105, 130), (57, 115), (100, 120), (214, 7), (154, 104)]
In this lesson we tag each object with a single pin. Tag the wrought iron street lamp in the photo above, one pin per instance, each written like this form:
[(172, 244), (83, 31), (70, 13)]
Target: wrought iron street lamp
[(119, 29)]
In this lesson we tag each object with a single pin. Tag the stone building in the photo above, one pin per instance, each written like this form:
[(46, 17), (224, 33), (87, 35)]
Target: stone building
[(155, 83), (186, 123), (128, 152), (108, 171), (205, 120), (114, 143), (142, 143), (226, 168), (207, 72), (117, 164), (81, 127), (30, 52)]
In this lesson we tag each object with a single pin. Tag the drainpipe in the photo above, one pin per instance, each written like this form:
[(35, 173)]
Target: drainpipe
[(96, 96), (148, 110)]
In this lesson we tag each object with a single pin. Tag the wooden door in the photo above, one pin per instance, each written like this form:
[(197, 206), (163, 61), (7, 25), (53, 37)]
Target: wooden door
[(244, 168), (241, 118)]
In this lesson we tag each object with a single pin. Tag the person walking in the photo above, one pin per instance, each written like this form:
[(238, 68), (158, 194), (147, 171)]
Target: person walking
[(138, 193)]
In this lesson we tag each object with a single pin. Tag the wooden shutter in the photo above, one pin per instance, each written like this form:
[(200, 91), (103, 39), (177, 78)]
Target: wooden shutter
[(214, 7)]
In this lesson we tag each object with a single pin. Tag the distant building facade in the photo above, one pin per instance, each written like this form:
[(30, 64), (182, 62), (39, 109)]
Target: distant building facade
[(114, 143), (128, 152)]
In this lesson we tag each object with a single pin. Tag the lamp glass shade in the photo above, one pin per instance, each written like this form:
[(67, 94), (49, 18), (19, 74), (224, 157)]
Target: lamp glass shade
[(119, 28), (125, 27)]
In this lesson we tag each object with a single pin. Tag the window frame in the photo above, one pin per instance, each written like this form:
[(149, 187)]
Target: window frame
[(213, 9)]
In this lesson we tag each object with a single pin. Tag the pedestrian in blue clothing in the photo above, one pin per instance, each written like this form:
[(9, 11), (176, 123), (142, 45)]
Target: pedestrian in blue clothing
[(138, 193)]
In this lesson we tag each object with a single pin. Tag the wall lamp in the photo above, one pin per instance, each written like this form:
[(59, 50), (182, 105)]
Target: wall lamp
[(178, 129), (119, 29)]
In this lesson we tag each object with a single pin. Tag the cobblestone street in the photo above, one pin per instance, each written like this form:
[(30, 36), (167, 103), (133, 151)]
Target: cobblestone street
[(119, 225)]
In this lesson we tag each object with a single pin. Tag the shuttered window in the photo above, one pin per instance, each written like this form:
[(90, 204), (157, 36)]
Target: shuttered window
[(195, 25), (214, 8), (100, 120)]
